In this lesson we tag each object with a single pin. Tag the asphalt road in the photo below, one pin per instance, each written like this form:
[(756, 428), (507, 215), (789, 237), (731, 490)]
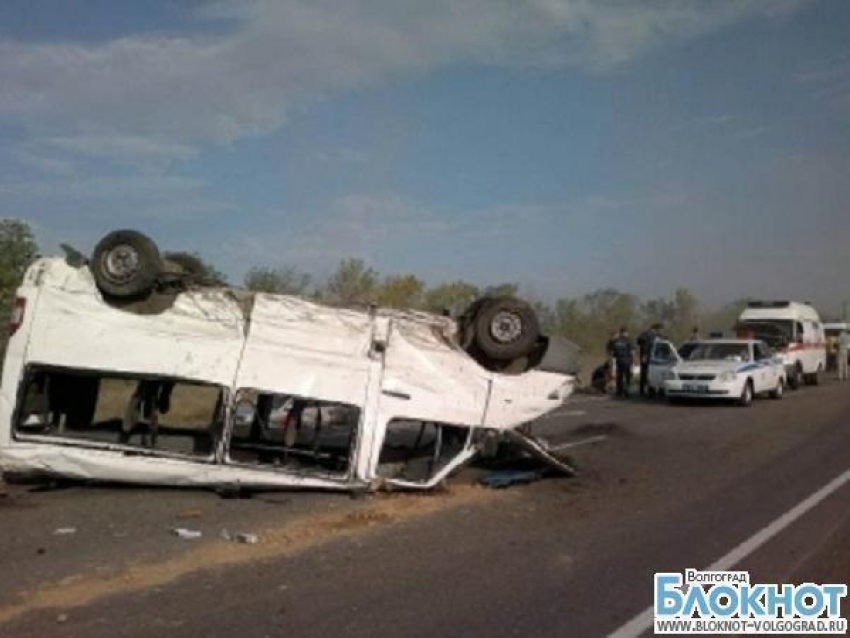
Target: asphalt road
[(667, 488)]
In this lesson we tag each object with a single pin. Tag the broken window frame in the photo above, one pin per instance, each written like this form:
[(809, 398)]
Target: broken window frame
[(354, 448), (126, 449), (468, 450)]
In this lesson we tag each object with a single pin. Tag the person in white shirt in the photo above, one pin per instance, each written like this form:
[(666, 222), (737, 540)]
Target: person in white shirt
[(843, 350)]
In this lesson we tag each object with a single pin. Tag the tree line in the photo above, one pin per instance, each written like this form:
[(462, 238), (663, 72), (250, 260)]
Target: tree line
[(588, 320)]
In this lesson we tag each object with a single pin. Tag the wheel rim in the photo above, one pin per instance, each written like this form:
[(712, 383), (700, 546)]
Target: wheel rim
[(506, 327), (121, 264)]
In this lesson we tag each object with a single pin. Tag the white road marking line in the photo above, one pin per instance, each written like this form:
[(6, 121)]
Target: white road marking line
[(557, 415), (564, 446), (643, 621), (587, 399)]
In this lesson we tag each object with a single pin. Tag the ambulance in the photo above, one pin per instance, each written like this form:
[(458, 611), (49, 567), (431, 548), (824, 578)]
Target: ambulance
[(794, 331)]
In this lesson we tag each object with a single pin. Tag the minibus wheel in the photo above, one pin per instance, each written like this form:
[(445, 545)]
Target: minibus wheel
[(126, 264), (505, 328)]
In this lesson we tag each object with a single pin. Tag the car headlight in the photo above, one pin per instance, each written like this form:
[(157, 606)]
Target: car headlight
[(670, 375), (727, 377)]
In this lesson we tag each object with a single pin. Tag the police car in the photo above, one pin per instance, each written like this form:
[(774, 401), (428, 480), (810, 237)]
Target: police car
[(732, 369)]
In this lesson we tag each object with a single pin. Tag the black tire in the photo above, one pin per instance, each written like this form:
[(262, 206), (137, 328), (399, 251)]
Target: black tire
[(795, 381), (779, 391), (746, 398), (467, 321), (126, 264), (506, 329), (814, 378)]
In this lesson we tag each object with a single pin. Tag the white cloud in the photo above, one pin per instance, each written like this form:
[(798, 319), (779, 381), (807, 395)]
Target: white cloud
[(828, 80), (102, 199), (343, 154), (122, 148), (360, 225), (216, 88), (109, 122), (44, 164), (105, 187), (372, 225)]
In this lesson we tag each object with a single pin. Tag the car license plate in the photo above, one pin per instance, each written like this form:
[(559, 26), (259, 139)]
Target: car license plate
[(695, 387)]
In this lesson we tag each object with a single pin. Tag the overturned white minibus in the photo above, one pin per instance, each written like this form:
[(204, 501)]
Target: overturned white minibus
[(125, 368)]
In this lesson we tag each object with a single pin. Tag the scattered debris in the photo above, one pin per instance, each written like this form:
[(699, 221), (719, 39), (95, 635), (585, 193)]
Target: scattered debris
[(240, 537), (187, 534), (190, 513), (539, 450), (506, 478), (62, 618), (65, 531)]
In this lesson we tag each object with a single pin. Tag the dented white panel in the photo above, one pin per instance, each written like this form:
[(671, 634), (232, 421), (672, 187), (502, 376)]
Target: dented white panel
[(519, 399), (300, 348), (310, 328), (429, 379), (102, 465), (199, 338)]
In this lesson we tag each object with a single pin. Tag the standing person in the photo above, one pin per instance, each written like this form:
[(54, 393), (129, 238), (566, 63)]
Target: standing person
[(832, 353), (843, 350), (645, 341), (609, 346), (624, 356), (695, 334), (610, 363)]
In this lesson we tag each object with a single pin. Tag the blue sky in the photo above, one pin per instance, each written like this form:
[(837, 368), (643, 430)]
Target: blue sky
[(563, 144)]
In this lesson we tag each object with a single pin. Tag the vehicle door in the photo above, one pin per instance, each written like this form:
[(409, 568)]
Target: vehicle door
[(765, 375), (302, 389), (429, 403), (662, 358)]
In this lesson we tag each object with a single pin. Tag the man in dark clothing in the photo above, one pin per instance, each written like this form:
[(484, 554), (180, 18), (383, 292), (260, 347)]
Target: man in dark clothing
[(624, 354), (609, 345), (610, 365), (645, 342)]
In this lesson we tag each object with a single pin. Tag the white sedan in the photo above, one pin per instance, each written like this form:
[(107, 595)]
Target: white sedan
[(739, 369)]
